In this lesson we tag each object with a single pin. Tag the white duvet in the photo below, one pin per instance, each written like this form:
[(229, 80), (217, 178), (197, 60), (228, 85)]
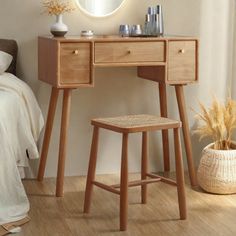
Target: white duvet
[(20, 124)]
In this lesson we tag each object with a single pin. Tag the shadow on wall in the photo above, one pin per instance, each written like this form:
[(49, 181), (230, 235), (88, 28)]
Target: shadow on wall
[(27, 51)]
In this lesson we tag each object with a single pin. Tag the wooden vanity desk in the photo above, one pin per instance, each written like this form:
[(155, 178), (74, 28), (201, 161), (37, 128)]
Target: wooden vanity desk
[(68, 63)]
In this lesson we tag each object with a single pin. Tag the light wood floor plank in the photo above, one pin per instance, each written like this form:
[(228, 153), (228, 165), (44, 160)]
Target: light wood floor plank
[(208, 214)]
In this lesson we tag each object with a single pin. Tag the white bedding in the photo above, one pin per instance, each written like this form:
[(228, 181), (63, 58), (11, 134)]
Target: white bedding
[(20, 124)]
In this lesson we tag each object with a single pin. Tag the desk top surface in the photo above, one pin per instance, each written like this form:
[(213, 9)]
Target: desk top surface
[(112, 38)]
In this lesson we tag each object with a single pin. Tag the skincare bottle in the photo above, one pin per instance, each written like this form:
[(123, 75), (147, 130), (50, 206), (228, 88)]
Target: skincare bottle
[(147, 25), (160, 20), (151, 12), (156, 29)]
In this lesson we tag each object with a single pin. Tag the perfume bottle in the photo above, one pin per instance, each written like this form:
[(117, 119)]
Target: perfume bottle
[(155, 28), (151, 13), (154, 24), (150, 10), (160, 20), (147, 25)]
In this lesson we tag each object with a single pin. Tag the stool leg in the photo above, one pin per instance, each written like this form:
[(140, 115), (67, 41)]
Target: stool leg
[(124, 184), (165, 138), (91, 170), (180, 175), (144, 167)]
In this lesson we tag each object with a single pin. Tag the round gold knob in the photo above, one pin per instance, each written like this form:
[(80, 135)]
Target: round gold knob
[(76, 52), (181, 51), (129, 52)]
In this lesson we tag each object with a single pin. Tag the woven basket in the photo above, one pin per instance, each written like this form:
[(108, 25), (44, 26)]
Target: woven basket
[(217, 170)]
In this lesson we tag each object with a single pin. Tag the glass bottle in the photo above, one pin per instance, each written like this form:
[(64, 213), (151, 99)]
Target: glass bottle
[(156, 27), (160, 20), (147, 25)]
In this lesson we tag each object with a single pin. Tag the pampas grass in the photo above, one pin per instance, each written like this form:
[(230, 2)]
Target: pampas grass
[(217, 122), (57, 7)]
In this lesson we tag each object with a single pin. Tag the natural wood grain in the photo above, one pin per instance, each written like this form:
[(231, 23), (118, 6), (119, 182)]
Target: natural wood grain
[(106, 187), (135, 123), (144, 166), (135, 183), (124, 184), (165, 138), (129, 64), (91, 170), (174, 59), (182, 64), (162, 179), (75, 63), (6, 228), (69, 62), (63, 141), (141, 182), (187, 140), (131, 124), (55, 60), (180, 176), (48, 54), (154, 73), (48, 131), (126, 52), (117, 38), (208, 214)]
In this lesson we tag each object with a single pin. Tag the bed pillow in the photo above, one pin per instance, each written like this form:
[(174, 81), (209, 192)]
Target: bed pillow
[(5, 61)]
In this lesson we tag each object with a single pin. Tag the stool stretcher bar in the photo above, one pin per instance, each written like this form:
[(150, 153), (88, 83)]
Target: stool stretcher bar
[(163, 179), (112, 188)]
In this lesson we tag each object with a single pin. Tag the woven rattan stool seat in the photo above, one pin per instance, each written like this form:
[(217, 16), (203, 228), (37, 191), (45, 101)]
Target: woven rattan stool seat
[(136, 123)]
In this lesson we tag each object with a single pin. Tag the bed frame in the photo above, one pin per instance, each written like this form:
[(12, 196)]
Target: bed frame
[(10, 46)]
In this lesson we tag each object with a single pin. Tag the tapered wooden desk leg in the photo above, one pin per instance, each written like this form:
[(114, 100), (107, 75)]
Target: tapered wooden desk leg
[(63, 141), (124, 184), (188, 146), (91, 170), (48, 131), (144, 166), (180, 176), (165, 138)]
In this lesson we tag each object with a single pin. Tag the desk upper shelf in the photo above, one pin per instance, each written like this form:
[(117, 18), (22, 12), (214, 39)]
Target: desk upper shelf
[(69, 62)]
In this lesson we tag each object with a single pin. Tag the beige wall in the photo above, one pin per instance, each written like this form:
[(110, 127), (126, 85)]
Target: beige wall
[(119, 91)]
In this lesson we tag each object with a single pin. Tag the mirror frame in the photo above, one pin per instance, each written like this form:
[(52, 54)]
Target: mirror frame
[(96, 16)]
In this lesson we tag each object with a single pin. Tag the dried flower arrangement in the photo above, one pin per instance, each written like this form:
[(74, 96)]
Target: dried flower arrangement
[(219, 121), (57, 7)]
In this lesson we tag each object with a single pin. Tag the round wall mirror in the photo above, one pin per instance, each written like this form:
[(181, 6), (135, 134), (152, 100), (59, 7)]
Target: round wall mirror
[(100, 8)]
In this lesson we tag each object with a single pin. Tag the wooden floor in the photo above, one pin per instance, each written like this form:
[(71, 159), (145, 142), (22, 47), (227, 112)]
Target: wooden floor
[(208, 214)]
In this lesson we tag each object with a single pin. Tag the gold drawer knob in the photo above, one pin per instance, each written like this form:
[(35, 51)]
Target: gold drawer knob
[(76, 52), (181, 51), (129, 51)]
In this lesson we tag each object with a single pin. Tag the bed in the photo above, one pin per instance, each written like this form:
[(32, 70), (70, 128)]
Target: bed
[(21, 122)]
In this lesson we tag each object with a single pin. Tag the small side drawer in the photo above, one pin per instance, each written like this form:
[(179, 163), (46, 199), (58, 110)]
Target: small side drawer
[(182, 61), (75, 63), (129, 52)]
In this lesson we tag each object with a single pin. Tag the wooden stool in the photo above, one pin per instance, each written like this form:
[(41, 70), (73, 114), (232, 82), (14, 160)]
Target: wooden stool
[(134, 124)]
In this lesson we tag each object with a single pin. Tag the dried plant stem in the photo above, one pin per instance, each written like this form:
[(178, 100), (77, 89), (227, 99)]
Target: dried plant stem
[(57, 7), (218, 122)]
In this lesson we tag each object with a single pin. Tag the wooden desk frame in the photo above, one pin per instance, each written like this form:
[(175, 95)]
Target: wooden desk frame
[(68, 63)]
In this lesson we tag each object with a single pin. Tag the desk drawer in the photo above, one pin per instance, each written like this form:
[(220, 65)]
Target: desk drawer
[(75, 63), (129, 52), (182, 61)]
